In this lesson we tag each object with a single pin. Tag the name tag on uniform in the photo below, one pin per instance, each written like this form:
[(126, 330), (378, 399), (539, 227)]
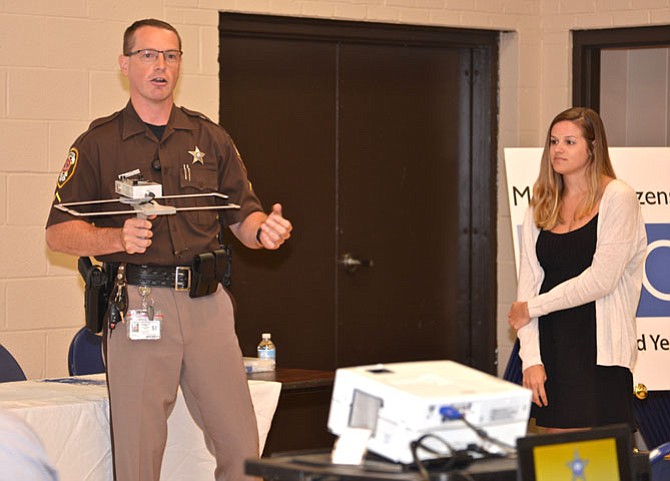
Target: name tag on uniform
[(143, 327)]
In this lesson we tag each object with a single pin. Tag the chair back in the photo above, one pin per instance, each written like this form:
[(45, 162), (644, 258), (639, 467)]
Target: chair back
[(85, 354), (10, 370), (652, 416), (659, 463), (513, 372)]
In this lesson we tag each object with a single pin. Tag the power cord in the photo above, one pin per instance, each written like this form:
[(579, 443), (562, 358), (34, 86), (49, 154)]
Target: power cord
[(451, 413), (454, 460)]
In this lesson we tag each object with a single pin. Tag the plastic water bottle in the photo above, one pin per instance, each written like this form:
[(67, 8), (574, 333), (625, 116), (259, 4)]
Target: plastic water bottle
[(266, 349)]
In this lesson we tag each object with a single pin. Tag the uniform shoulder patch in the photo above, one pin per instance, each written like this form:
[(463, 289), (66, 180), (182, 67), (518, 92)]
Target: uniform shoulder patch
[(69, 167)]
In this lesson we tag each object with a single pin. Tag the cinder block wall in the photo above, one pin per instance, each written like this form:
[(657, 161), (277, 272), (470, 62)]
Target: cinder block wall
[(58, 71)]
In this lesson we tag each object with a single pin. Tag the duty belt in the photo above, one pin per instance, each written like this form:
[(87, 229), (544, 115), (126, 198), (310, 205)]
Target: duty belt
[(177, 277)]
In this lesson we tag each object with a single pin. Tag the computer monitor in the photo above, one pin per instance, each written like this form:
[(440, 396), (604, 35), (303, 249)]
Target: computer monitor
[(603, 453)]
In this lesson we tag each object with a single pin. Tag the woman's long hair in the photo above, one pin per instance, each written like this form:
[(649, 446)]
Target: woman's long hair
[(548, 189)]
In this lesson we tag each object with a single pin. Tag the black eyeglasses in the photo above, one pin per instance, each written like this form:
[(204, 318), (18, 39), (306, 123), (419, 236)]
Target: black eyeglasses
[(150, 55)]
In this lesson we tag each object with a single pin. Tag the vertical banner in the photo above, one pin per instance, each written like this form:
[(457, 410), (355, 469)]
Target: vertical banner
[(647, 171)]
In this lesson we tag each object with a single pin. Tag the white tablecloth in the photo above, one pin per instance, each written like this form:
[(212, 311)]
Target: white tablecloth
[(71, 417)]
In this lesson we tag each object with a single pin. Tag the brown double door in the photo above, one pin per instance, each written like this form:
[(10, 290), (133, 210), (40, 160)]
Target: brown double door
[(378, 143)]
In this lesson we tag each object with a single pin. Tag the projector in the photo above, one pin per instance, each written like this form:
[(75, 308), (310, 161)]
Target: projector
[(400, 402)]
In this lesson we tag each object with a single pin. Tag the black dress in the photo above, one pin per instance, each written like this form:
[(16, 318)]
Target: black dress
[(580, 394)]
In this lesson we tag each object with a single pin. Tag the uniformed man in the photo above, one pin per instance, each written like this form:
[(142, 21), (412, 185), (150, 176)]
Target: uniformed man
[(181, 335)]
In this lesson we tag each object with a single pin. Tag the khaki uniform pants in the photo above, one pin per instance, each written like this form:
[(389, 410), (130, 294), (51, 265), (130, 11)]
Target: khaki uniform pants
[(198, 351)]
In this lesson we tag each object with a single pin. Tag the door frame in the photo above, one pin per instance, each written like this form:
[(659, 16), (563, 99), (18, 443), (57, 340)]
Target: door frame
[(479, 330), (587, 46)]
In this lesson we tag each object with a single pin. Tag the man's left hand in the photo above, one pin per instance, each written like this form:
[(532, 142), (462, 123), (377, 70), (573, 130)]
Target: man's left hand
[(275, 229)]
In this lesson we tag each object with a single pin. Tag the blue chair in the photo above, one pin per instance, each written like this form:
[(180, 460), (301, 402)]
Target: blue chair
[(10, 370), (513, 372), (659, 463), (652, 416), (85, 354)]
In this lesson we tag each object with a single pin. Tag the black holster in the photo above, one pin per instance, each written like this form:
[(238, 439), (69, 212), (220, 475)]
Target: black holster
[(96, 293), (207, 270)]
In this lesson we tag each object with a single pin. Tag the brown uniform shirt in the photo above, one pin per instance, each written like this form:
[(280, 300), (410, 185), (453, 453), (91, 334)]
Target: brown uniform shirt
[(121, 143)]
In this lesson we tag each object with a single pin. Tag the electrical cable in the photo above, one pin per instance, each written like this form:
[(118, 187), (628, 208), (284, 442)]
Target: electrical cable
[(449, 412), (455, 459), (451, 461)]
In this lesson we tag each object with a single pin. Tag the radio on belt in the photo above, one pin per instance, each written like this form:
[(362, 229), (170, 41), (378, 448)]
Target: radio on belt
[(400, 402)]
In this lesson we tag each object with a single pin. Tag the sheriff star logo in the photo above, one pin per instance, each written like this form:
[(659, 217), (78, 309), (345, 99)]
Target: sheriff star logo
[(197, 156), (578, 466)]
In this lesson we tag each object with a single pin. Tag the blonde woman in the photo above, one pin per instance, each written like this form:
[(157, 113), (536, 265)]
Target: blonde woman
[(582, 249)]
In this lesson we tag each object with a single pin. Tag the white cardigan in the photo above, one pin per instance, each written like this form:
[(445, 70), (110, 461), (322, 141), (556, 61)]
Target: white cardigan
[(613, 280)]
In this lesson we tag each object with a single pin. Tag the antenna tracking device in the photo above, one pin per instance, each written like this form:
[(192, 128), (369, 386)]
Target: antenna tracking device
[(142, 195)]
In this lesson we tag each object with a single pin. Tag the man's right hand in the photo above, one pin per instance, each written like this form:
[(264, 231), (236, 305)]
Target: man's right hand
[(136, 235)]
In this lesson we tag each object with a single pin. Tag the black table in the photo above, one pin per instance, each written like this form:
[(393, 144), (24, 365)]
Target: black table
[(309, 467), (317, 466)]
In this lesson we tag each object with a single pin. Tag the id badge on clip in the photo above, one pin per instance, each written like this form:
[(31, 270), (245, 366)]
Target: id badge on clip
[(141, 327)]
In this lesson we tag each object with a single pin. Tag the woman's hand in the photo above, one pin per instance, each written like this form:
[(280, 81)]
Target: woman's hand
[(534, 378), (518, 315)]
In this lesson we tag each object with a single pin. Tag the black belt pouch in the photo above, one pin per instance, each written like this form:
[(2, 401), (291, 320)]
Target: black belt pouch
[(207, 271), (96, 293)]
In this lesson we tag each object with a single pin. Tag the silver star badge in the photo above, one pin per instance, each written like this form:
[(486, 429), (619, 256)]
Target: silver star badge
[(197, 156)]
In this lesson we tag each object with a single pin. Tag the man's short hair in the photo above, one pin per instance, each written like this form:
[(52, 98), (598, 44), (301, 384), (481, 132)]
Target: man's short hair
[(129, 35)]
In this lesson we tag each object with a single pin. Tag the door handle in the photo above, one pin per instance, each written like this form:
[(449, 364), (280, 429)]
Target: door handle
[(351, 263)]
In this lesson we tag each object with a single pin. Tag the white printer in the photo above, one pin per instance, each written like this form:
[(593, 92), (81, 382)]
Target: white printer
[(400, 402)]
